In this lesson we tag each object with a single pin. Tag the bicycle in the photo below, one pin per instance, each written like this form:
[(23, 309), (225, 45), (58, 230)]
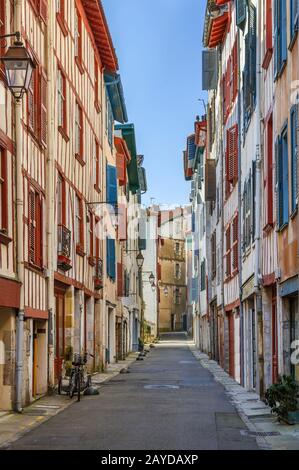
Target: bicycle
[(77, 382)]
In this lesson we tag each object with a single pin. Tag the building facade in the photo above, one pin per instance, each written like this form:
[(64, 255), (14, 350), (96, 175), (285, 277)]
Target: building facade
[(69, 177), (246, 178)]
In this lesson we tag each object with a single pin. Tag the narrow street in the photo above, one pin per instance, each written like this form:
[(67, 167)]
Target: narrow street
[(168, 401)]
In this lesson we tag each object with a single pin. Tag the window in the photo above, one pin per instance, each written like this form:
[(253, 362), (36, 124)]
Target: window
[(294, 157), (40, 8), (177, 249), (178, 272), (282, 179), (79, 227), (247, 213), (79, 131), (280, 34), (234, 82), (78, 40), (61, 210), (268, 31), (235, 249), (97, 169), (203, 275), (231, 158), (3, 192), (177, 296), (269, 172), (111, 184), (228, 252), (294, 18), (249, 73), (37, 105), (213, 255), (90, 235), (61, 99), (35, 218)]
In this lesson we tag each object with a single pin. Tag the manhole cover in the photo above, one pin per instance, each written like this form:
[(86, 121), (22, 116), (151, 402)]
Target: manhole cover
[(161, 387)]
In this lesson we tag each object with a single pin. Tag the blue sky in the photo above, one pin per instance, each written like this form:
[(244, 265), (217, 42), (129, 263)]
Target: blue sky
[(158, 44)]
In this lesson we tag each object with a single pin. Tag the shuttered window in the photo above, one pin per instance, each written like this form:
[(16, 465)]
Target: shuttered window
[(79, 223), (90, 235), (43, 107), (247, 212), (203, 275), (120, 280), (61, 201), (97, 163), (231, 158), (109, 120), (294, 157), (269, 172), (228, 252), (35, 238), (122, 225), (249, 73), (268, 33), (61, 99), (282, 164), (78, 37), (213, 255), (280, 35), (96, 84), (32, 102), (2, 18), (111, 266), (111, 185), (234, 84), (235, 248), (241, 11), (3, 192), (78, 131), (121, 169)]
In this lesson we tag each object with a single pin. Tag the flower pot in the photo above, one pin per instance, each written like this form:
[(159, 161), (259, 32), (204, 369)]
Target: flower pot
[(293, 417)]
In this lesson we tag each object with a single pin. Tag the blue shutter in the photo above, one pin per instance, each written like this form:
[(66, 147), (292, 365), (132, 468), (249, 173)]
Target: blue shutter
[(278, 181), (294, 156), (241, 7), (285, 178), (276, 38), (193, 222), (283, 25), (252, 44), (111, 184), (111, 268)]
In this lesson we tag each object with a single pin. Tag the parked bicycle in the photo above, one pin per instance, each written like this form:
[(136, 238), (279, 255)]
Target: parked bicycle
[(79, 379)]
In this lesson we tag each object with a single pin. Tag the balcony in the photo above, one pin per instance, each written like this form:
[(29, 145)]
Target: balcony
[(64, 248), (98, 279)]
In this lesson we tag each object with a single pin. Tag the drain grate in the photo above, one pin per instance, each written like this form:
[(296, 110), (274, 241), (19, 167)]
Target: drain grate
[(161, 387), (264, 434)]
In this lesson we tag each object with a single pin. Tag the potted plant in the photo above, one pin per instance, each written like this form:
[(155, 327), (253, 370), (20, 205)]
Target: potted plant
[(282, 398)]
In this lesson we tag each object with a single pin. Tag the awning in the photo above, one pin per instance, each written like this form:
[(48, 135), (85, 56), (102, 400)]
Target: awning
[(128, 133), (116, 96)]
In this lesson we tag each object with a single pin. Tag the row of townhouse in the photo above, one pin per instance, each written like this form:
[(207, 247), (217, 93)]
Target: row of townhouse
[(242, 161), (70, 185)]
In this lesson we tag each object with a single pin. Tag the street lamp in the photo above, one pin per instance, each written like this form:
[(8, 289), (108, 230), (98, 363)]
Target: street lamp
[(152, 279), (140, 260), (166, 292), (154, 287), (19, 66)]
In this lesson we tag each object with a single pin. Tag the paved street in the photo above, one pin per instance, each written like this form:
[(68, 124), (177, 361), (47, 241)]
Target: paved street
[(167, 401)]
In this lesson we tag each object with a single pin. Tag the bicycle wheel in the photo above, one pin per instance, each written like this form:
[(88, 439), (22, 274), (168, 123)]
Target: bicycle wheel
[(59, 386), (72, 386), (78, 385)]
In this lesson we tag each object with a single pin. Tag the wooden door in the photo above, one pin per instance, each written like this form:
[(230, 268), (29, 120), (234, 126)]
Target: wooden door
[(60, 333)]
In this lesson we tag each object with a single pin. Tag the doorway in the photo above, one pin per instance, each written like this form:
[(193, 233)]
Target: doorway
[(231, 333), (39, 358), (274, 341), (59, 330)]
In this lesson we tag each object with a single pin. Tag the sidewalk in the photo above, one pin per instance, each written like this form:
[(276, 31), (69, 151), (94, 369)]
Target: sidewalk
[(270, 434), (14, 425)]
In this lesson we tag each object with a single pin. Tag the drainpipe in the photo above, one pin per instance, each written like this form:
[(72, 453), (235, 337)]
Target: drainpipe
[(50, 195), (19, 232), (242, 364), (258, 213)]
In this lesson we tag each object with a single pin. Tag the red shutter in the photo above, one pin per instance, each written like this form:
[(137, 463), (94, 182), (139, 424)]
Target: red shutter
[(269, 39), (121, 169), (232, 154), (235, 243), (91, 234), (38, 230), (32, 225), (120, 280), (235, 71), (224, 96), (43, 10), (43, 107), (228, 251), (159, 271), (30, 103), (2, 18), (228, 88)]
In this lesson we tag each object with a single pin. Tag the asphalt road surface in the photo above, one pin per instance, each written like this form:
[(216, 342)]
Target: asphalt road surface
[(166, 402)]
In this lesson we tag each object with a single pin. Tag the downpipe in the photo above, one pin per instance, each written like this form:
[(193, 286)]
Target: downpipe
[(258, 214)]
